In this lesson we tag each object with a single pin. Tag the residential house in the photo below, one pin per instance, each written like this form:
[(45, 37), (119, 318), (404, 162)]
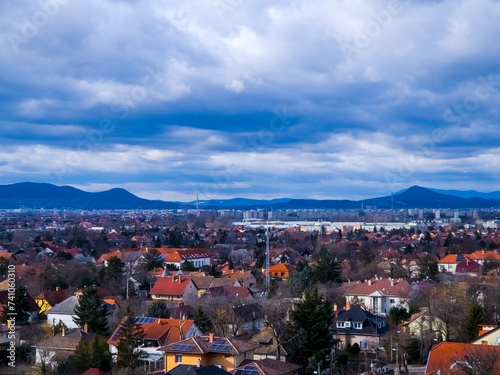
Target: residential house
[(483, 257), (469, 268), (358, 325), (422, 324), (379, 294), (230, 292), (59, 348), (157, 333), (490, 337), (449, 262), (65, 312), (174, 290), (197, 370), (245, 277), (450, 358), (49, 299), (267, 366), (280, 270), (268, 345), (175, 257), (226, 352)]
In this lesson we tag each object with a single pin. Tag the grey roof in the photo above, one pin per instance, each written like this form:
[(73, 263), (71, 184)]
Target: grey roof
[(357, 314), (194, 370), (65, 307)]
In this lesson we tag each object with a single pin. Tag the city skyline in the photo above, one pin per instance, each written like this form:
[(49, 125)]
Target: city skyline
[(250, 99)]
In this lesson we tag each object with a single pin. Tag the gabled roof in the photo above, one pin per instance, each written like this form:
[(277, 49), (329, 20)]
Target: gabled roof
[(281, 267), (357, 314), (267, 366), (53, 297), (468, 266), (202, 345), (453, 259), (69, 341), (164, 330), (66, 307), (387, 287), (231, 291), (171, 286)]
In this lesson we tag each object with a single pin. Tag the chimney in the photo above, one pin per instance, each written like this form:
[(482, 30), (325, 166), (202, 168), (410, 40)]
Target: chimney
[(362, 305), (63, 330), (180, 279), (347, 305), (57, 289), (210, 337), (392, 282), (86, 328), (484, 342), (199, 363), (369, 281), (334, 307)]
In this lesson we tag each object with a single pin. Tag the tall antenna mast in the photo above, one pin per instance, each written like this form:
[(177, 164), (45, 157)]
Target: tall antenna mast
[(268, 274)]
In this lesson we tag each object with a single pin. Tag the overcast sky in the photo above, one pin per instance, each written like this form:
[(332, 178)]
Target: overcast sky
[(251, 98)]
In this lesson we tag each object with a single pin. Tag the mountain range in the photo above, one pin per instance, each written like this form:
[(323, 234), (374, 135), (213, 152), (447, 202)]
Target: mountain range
[(32, 195)]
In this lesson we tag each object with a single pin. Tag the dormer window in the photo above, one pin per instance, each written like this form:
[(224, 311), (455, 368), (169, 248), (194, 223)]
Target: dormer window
[(357, 325), (347, 324), (340, 324)]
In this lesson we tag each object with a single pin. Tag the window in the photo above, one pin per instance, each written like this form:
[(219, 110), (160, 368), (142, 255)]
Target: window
[(347, 324), (178, 358), (392, 301), (358, 325), (340, 324)]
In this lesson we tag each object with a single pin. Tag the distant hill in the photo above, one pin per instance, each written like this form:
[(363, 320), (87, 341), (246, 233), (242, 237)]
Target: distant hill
[(469, 193), (35, 195)]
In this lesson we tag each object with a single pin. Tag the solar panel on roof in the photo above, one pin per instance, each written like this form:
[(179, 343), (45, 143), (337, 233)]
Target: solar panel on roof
[(182, 347), (460, 258)]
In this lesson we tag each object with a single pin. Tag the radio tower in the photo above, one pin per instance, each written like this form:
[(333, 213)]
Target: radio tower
[(268, 274)]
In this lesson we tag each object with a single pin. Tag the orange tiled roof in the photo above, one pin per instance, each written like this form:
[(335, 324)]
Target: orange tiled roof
[(166, 331), (444, 356), (484, 255)]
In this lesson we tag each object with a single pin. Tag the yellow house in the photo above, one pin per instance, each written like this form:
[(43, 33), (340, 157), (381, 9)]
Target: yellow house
[(49, 299), (224, 352)]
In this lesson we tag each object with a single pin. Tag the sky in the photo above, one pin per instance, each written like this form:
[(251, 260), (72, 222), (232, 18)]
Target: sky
[(258, 99)]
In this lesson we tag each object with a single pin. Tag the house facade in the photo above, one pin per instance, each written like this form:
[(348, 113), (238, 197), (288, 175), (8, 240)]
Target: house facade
[(379, 295), (224, 352), (357, 325), (175, 290)]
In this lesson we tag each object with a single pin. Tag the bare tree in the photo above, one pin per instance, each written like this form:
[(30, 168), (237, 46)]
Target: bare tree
[(479, 360)]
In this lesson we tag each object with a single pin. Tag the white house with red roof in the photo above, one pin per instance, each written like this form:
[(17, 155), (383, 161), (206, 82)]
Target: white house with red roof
[(175, 257), (460, 263), (379, 295), (175, 290)]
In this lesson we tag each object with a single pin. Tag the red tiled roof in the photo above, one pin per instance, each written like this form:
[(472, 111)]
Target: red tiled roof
[(396, 287), (468, 266), (170, 286), (95, 371)]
